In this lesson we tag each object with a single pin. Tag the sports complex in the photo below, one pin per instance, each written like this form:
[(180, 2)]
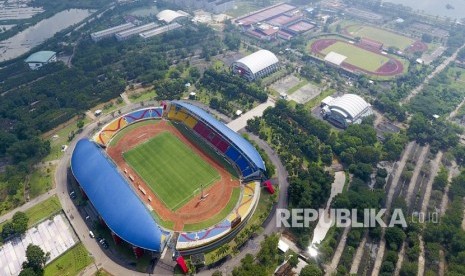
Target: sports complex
[(169, 174), (363, 49)]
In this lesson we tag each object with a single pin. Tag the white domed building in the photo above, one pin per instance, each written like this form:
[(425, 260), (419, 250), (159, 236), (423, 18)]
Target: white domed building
[(345, 110), (256, 65)]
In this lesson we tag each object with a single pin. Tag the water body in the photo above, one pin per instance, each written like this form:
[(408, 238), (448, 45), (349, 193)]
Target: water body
[(454, 9), (37, 34)]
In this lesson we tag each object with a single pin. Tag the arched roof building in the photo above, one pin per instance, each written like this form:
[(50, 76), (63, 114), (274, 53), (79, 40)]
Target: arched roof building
[(347, 109), (256, 65), (115, 201), (169, 15)]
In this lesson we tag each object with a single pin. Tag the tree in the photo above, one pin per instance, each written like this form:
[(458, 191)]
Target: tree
[(293, 260), (28, 272), (311, 270), (36, 259), (80, 124), (394, 237), (20, 221), (427, 38)]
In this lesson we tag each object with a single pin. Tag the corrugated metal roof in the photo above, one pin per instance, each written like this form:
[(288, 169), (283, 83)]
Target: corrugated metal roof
[(352, 104), (119, 206), (259, 60), (41, 56), (239, 141)]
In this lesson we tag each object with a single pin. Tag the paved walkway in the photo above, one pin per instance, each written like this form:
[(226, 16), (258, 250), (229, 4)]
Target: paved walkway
[(125, 98), (28, 205), (241, 122)]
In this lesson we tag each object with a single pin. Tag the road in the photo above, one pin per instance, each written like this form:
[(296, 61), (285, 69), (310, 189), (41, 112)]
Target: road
[(416, 172), (101, 259), (359, 254), (436, 71), (390, 195), (338, 253)]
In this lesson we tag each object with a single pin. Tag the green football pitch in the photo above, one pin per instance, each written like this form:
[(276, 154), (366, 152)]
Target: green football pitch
[(386, 37), (357, 56), (173, 171)]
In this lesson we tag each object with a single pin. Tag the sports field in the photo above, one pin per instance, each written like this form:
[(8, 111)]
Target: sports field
[(386, 37), (357, 56), (172, 170)]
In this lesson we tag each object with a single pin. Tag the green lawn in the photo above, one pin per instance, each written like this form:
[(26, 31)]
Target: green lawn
[(386, 37), (172, 170), (43, 210), (70, 263), (357, 56), (146, 96), (219, 217), (41, 180)]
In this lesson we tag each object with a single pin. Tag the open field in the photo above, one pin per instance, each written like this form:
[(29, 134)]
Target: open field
[(387, 38), (360, 58), (70, 263), (357, 56), (173, 171), (43, 210)]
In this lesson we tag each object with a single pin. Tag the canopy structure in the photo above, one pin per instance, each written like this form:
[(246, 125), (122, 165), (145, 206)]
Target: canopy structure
[(113, 198)]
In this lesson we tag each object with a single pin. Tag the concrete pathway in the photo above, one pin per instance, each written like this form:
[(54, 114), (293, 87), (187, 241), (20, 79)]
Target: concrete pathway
[(359, 254), (325, 222), (241, 122), (125, 98), (28, 205)]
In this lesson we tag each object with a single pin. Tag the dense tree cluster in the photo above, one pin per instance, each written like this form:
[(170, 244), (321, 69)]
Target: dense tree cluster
[(440, 134), (266, 260), (17, 226)]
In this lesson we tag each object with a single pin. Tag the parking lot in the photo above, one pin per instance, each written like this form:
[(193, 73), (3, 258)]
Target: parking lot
[(53, 235)]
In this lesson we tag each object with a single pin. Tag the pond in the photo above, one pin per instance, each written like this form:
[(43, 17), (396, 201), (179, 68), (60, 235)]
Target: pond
[(37, 34)]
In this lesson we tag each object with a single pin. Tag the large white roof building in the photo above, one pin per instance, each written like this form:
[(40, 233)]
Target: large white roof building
[(345, 110), (169, 15), (256, 65)]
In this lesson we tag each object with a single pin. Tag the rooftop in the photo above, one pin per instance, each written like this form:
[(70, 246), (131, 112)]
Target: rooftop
[(118, 204), (41, 56), (239, 141)]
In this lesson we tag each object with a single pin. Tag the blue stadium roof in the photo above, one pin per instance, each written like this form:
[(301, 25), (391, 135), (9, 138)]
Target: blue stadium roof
[(119, 206), (240, 142)]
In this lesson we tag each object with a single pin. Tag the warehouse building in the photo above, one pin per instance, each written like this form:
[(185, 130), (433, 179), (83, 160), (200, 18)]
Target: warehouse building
[(345, 110), (256, 65), (39, 59), (160, 30), (107, 33), (135, 31)]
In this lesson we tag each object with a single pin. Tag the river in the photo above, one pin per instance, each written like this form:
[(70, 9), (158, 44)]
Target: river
[(456, 8), (37, 34)]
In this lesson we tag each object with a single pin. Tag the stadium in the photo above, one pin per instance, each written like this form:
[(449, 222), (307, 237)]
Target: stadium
[(170, 173)]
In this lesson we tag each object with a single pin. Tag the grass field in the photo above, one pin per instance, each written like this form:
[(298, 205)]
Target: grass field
[(171, 169), (70, 263), (43, 210), (357, 56), (386, 37)]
